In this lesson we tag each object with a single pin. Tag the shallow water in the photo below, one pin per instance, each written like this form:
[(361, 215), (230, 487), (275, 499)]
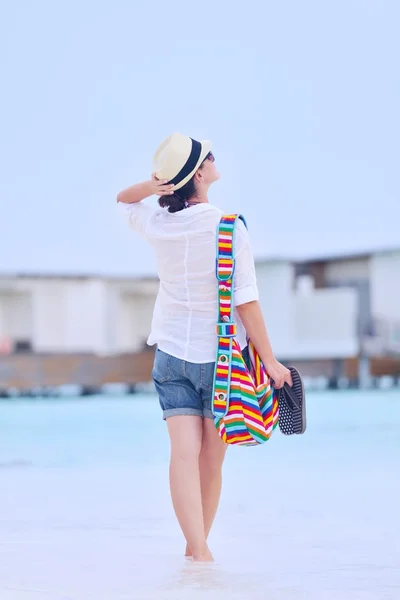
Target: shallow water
[(85, 511)]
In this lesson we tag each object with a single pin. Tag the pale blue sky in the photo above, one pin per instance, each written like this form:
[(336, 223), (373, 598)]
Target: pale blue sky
[(300, 98)]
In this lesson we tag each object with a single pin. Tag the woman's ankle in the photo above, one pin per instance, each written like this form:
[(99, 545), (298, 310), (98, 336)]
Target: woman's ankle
[(203, 556)]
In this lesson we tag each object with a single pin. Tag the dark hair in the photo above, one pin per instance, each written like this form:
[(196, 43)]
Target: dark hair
[(177, 201)]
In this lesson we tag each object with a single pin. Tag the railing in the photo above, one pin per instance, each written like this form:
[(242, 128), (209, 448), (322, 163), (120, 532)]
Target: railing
[(30, 371), (35, 370)]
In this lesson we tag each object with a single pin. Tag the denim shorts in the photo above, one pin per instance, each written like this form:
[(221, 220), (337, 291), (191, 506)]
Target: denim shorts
[(184, 388)]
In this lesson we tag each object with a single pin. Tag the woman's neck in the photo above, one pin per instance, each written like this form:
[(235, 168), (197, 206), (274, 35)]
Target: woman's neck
[(201, 199)]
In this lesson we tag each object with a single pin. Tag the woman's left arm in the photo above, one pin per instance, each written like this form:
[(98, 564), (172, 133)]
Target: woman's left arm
[(145, 189)]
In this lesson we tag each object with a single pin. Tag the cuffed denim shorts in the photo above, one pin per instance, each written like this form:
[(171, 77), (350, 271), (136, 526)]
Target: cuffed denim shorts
[(184, 388)]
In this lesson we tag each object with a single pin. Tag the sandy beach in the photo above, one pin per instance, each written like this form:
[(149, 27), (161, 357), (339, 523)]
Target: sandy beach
[(85, 511)]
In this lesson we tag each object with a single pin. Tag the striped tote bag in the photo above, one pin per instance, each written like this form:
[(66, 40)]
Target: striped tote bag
[(244, 405)]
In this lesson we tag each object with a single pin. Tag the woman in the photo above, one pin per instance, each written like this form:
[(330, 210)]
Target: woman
[(183, 235)]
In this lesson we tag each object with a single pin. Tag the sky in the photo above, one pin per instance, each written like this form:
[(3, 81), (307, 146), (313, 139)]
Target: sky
[(300, 99)]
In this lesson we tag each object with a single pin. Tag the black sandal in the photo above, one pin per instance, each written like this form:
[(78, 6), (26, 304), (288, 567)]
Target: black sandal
[(292, 405)]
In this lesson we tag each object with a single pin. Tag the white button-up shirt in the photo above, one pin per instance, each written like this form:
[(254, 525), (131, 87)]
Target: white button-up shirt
[(186, 309)]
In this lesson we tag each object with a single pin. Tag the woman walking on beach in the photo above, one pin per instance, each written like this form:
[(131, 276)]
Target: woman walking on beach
[(183, 235)]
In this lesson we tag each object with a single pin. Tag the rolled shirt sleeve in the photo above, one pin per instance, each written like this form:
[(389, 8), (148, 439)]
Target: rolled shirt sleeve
[(138, 215), (245, 280)]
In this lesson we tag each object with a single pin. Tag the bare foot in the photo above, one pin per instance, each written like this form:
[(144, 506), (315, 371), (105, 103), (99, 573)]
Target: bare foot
[(188, 552), (203, 557)]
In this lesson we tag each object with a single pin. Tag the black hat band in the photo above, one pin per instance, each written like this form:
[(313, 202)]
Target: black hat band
[(189, 165)]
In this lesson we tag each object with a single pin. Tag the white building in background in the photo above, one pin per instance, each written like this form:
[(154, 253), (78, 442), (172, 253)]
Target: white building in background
[(314, 309), (375, 278), (53, 314), (305, 322)]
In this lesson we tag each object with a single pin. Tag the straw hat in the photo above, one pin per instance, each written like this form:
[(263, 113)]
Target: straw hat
[(178, 157)]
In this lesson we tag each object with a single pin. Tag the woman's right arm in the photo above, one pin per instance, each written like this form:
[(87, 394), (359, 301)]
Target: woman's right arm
[(252, 318), (249, 309)]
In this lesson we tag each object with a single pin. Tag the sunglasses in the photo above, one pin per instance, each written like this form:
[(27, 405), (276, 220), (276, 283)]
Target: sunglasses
[(210, 156)]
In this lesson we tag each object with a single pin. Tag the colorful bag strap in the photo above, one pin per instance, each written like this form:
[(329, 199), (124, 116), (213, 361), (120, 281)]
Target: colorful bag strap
[(226, 326), (225, 267)]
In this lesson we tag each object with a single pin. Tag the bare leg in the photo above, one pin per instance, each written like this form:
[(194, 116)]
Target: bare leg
[(211, 458), (186, 434)]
